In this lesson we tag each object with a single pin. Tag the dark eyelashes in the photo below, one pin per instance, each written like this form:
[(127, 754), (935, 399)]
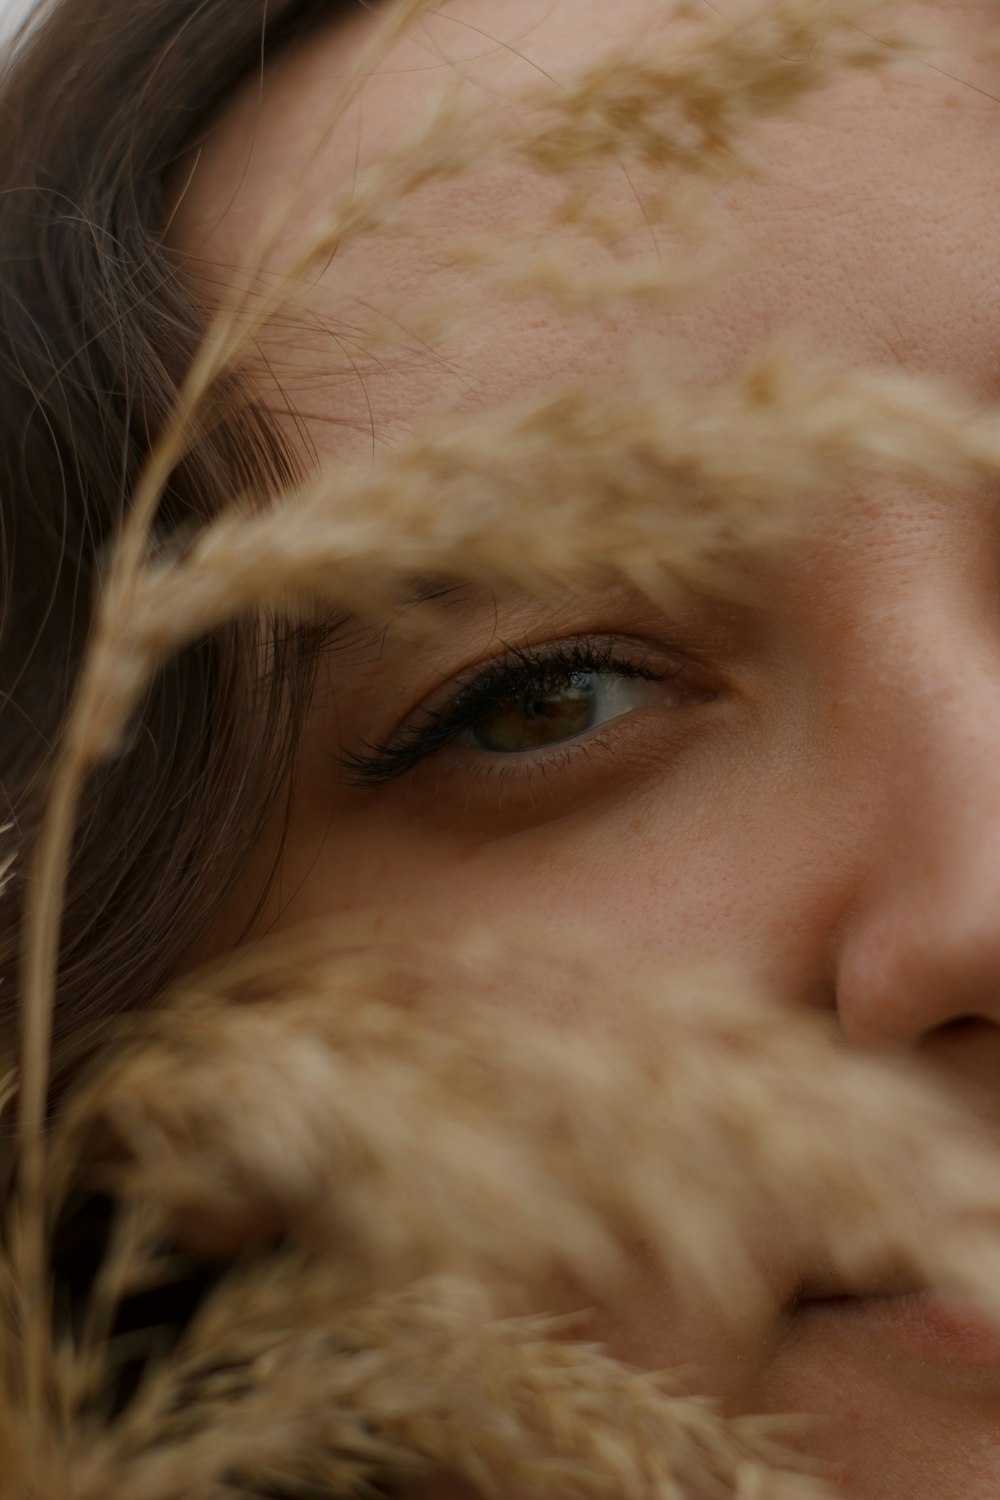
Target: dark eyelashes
[(521, 670)]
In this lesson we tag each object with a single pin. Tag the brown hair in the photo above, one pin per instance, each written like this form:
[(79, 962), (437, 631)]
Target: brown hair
[(98, 99)]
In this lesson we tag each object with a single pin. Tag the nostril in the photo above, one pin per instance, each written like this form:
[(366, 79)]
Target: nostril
[(962, 1026), (964, 1053)]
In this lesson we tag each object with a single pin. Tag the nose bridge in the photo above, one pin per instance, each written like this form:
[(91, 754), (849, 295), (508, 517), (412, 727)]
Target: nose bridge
[(922, 946), (938, 732)]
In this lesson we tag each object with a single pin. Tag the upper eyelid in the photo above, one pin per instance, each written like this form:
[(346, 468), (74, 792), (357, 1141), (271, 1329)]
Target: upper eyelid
[(531, 657), (512, 652)]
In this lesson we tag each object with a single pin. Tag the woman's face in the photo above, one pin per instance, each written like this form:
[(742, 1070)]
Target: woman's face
[(807, 783)]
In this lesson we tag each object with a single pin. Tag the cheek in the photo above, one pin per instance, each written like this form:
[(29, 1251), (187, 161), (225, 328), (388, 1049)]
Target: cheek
[(754, 877)]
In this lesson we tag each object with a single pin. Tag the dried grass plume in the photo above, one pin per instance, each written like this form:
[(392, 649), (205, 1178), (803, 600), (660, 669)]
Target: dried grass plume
[(306, 1230)]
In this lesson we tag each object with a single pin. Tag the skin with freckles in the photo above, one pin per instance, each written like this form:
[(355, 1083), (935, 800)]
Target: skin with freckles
[(805, 782)]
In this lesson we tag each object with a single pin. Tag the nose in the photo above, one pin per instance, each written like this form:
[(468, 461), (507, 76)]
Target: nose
[(919, 952)]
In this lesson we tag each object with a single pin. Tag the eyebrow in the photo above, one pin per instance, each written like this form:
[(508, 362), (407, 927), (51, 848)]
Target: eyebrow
[(343, 630), (434, 587)]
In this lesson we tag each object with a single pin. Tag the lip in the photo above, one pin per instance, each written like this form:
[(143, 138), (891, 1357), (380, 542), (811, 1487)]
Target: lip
[(922, 1325)]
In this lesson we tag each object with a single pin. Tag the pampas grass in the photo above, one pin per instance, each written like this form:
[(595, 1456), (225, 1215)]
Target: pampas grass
[(649, 484), (391, 1173), (245, 1111), (387, 1177), (277, 1383)]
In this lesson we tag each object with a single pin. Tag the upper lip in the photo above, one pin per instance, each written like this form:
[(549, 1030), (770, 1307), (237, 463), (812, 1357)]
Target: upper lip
[(826, 1281), (829, 1285)]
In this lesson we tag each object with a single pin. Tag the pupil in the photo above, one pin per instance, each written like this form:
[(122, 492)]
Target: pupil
[(533, 719)]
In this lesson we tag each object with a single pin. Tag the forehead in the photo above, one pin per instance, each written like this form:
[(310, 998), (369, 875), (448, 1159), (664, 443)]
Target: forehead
[(873, 226)]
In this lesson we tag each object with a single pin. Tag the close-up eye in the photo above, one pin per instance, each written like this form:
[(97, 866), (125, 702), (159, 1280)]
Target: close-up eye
[(531, 699), (552, 710)]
